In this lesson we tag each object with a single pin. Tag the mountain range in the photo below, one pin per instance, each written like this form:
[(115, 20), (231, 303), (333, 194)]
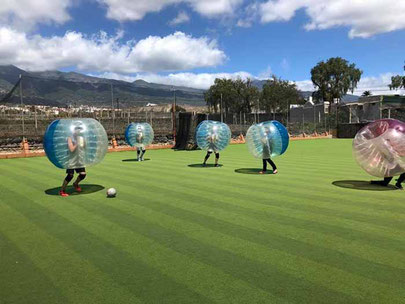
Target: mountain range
[(58, 88), (70, 88)]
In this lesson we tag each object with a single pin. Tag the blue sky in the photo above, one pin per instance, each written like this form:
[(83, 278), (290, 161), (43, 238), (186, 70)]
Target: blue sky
[(221, 38)]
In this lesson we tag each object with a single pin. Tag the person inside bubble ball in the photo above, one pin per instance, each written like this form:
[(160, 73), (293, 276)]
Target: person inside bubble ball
[(267, 153), (396, 150), (140, 151), (212, 139), (76, 148)]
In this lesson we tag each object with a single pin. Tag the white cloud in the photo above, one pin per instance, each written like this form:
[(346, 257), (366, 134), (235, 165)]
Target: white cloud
[(364, 17), (182, 17), (378, 85), (101, 52), (125, 10), (192, 80), (249, 15), (24, 14), (266, 74), (305, 85)]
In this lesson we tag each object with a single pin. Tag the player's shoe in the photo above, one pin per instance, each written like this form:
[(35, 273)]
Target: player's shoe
[(216, 165), (275, 171), (399, 186), (77, 188), (204, 164), (262, 172), (63, 193)]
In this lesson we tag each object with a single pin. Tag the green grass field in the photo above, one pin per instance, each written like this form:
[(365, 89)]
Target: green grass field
[(179, 233)]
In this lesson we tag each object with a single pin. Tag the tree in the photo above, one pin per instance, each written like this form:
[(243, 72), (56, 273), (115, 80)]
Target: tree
[(247, 94), (334, 78), (397, 82), (222, 88), (237, 95), (277, 94), (366, 93)]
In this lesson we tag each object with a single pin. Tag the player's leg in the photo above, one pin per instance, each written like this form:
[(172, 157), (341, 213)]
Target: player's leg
[(66, 181), (138, 154), (273, 165), (143, 153), (206, 157), (216, 159), (400, 180), (264, 169), (81, 176), (384, 182)]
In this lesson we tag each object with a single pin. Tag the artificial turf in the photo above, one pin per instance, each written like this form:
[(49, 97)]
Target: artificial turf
[(317, 232)]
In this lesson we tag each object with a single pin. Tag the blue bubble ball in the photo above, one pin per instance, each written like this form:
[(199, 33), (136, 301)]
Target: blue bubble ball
[(139, 134), (212, 135), (75, 143), (267, 139)]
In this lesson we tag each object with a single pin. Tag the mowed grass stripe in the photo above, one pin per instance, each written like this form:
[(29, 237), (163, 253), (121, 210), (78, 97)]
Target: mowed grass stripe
[(72, 277), (275, 183), (259, 271), (277, 200), (207, 279), (205, 198), (134, 216), (187, 231), (354, 247), (344, 254)]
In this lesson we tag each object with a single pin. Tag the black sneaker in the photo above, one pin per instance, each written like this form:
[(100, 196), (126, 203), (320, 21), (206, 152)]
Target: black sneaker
[(399, 186), (204, 165)]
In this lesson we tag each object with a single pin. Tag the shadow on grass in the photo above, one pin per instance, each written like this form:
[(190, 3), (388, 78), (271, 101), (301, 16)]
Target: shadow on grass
[(362, 185), (134, 160), (86, 189), (252, 171), (201, 166)]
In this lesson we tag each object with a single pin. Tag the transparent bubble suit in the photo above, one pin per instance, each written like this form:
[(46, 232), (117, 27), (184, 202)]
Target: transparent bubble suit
[(139, 134), (212, 136), (267, 139), (379, 148), (86, 134)]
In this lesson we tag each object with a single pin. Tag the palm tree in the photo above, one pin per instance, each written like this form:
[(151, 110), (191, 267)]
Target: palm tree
[(366, 93)]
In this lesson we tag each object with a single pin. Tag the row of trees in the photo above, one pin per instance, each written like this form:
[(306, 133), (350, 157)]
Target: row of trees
[(235, 96), (332, 80)]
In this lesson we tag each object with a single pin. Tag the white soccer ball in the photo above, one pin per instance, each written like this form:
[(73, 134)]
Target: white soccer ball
[(111, 192)]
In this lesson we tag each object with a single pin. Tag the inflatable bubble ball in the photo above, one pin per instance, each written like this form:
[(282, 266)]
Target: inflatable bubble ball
[(212, 136), (139, 134), (379, 148), (267, 139), (75, 143)]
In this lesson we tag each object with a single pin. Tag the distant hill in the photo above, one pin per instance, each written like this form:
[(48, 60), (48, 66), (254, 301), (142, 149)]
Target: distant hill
[(70, 88), (347, 98), (64, 88)]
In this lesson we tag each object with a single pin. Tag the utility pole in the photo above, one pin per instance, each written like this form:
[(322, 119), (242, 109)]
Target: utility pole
[(174, 115), (112, 109), (222, 114), (22, 108)]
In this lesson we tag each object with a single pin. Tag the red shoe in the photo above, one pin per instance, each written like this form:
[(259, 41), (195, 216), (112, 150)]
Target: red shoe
[(63, 193), (77, 188)]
